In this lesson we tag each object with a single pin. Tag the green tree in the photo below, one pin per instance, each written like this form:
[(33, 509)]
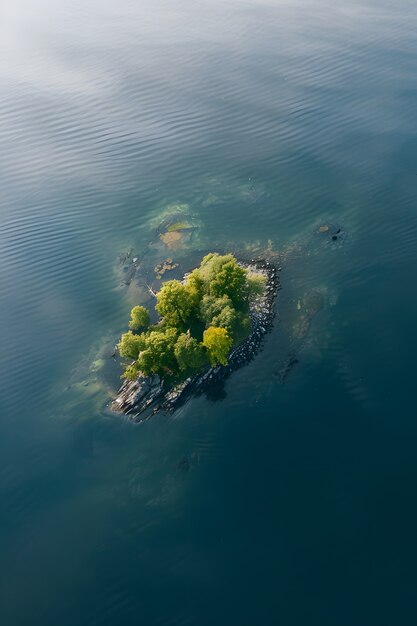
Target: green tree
[(190, 354), (158, 355), (210, 306), (227, 318), (130, 345), (218, 344), (230, 281), (195, 286), (176, 303), (211, 265), (139, 318)]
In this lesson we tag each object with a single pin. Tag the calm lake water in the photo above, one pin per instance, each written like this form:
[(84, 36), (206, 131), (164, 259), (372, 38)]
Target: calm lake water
[(292, 501)]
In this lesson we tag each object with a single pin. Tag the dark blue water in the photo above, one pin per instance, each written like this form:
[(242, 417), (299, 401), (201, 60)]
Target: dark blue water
[(264, 120)]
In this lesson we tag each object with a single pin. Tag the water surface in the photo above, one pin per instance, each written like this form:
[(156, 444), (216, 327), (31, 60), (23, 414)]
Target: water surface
[(267, 118)]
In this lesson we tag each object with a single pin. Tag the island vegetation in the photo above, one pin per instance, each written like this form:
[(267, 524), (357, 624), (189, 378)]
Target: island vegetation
[(199, 320)]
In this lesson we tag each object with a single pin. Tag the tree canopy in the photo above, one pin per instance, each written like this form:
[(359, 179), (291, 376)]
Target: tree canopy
[(176, 303), (200, 320), (130, 345), (190, 354), (139, 318), (158, 356), (218, 343)]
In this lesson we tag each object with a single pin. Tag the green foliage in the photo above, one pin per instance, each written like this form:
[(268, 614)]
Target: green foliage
[(158, 356), (195, 286), (221, 312), (131, 372), (215, 297), (190, 354), (139, 318), (176, 303), (221, 276), (210, 306), (211, 265), (256, 284), (227, 318), (242, 326), (230, 281), (218, 344), (130, 345)]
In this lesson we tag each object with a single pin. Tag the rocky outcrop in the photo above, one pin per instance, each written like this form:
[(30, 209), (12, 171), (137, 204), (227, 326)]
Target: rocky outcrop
[(145, 396)]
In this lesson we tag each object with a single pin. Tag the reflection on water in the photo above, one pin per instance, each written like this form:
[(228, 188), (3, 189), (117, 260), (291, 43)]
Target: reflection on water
[(157, 131)]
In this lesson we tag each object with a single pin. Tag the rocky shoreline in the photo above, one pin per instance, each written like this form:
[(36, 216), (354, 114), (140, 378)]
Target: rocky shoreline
[(145, 396)]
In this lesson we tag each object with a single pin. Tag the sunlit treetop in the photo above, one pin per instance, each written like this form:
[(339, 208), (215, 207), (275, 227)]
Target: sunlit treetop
[(139, 318), (200, 319)]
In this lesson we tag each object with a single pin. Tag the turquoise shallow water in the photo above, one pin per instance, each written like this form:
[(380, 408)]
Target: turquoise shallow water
[(268, 119)]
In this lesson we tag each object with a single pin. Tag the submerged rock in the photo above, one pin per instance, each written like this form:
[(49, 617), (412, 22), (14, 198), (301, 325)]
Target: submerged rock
[(184, 464)]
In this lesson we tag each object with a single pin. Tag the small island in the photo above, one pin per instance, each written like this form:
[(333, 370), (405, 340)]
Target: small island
[(203, 327)]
